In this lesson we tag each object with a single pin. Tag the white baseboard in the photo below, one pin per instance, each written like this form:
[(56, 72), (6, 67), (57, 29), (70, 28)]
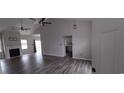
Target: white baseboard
[(53, 55), (81, 58), (63, 56)]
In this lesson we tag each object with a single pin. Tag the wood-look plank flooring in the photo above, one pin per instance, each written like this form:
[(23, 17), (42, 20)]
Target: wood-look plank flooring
[(38, 64)]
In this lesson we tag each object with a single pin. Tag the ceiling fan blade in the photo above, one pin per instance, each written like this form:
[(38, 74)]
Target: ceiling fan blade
[(23, 29), (26, 28), (47, 22), (41, 21), (33, 19)]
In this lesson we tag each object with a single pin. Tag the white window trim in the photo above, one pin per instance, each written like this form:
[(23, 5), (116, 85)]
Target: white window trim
[(26, 44)]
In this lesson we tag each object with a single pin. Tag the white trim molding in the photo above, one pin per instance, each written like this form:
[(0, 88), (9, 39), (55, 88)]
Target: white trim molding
[(82, 58), (53, 55)]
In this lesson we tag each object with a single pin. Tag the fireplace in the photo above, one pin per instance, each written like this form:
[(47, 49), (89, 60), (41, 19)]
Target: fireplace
[(14, 52)]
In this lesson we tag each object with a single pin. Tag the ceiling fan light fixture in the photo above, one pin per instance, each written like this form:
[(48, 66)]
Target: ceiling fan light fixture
[(22, 28), (75, 25)]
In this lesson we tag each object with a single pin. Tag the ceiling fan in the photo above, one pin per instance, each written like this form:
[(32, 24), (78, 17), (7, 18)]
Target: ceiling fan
[(41, 21), (22, 28)]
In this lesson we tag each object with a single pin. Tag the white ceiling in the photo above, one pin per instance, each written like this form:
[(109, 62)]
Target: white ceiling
[(7, 22), (78, 19), (13, 23)]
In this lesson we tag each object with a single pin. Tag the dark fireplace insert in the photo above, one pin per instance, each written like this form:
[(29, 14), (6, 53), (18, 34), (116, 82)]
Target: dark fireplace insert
[(14, 52)]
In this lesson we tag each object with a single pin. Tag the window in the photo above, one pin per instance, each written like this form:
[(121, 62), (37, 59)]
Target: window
[(24, 44)]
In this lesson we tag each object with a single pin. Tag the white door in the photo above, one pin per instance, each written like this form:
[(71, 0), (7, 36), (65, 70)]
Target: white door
[(120, 46), (107, 52), (112, 52), (38, 46)]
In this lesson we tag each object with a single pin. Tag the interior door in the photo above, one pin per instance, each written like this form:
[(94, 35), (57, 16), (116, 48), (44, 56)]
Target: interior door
[(68, 46), (120, 46), (107, 52), (38, 46)]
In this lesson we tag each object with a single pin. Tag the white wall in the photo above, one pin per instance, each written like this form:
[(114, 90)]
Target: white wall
[(107, 45), (8, 44), (30, 43), (17, 44), (52, 37), (1, 53)]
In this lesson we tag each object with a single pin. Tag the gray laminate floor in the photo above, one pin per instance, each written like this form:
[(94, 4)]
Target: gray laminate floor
[(37, 64)]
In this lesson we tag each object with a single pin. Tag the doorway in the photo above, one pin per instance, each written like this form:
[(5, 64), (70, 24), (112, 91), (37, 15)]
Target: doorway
[(68, 46), (38, 46)]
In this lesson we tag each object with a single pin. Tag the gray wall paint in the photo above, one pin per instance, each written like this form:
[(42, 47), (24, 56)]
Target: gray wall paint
[(52, 37), (17, 44), (8, 44), (107, 45), (1, 53), (29, 39)]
